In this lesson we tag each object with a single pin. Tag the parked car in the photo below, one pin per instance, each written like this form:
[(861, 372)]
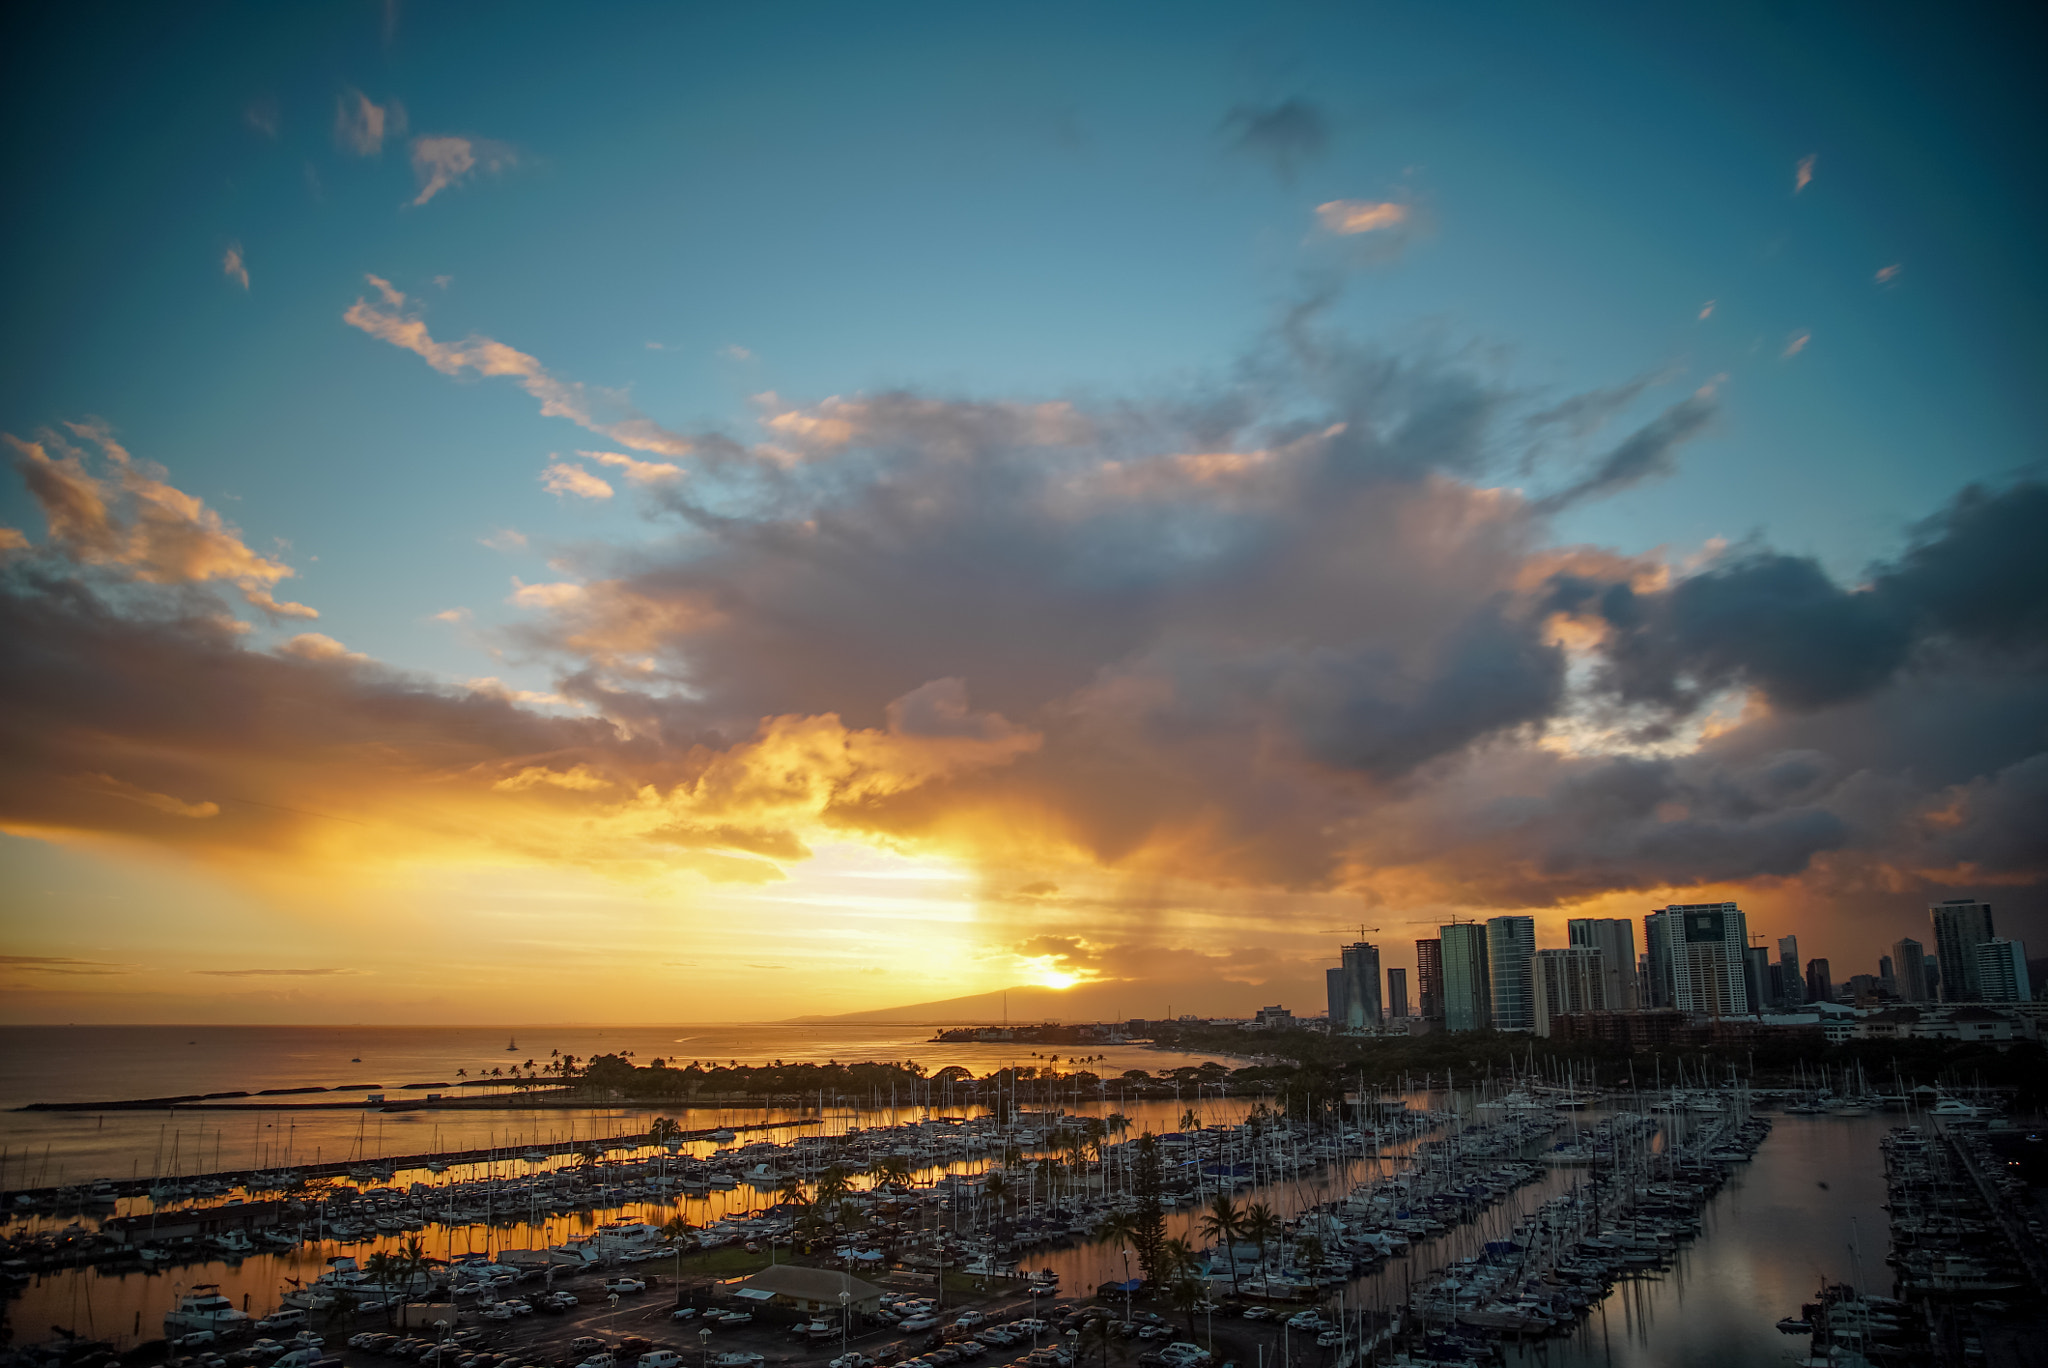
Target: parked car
[(289, 1318), (916, 1323), (661, 1358), (969, 1318), (1182, 1353), (624, 1285)]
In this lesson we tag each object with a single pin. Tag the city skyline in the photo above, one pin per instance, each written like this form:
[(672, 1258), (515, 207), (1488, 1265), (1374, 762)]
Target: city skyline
[(681, 514)]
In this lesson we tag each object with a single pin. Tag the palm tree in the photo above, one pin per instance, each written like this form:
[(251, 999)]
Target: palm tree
[(660, 1129), (1223, 1223), (1309, 1250), (1098, 1332), (382, 1269), (1187, 1293), (1262, 1225), (832, 1185), (996, 1188)]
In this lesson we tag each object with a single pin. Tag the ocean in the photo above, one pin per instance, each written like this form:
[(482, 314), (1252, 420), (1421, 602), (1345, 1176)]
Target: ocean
[(113, 1063)]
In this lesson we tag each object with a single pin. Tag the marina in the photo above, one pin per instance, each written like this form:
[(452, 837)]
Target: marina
[(1436, 1227)]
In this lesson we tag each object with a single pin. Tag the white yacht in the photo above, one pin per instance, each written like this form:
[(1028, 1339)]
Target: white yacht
[(204, 1308)]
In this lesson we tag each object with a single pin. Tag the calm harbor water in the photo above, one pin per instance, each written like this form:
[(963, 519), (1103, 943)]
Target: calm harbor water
[(1807, 1206), (108, 1063)]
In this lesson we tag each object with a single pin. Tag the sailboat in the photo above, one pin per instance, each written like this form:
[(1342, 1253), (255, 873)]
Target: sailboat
[(512, 1045)]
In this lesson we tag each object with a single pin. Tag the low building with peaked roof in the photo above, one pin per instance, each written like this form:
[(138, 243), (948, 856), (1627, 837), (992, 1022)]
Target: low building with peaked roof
[(810, 1289)]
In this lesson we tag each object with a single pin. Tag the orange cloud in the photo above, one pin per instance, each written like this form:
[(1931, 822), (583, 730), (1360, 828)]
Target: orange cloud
[(232, 265), (1347, 218), (135, 522), (563, 478), (361, 126), (1887, 274), (1803, 176), (1796, 343), (440, 163), (558, 398), (1707, 310), (639, 472)]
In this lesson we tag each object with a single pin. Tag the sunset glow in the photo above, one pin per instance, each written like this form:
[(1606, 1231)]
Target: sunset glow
[(669, 516)]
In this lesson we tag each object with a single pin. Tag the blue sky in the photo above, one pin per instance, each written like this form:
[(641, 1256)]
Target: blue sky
[(694, 206)]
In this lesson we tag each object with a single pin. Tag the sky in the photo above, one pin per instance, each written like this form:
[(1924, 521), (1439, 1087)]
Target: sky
[(660, 513)]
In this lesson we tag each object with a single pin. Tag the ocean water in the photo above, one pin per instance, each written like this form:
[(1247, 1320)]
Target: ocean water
[(110, 1063)]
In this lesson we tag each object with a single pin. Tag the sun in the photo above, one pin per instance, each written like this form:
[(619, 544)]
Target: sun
[(1044, 972)]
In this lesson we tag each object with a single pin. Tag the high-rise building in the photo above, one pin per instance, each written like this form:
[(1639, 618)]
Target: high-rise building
[(1570, 980), (1708, 944), (1659, 930), (1397, 994), (1756, 976), (1933, 966), (1510, 948), (1468, 991), (1909, 971), (2002, 971), (1777, 992), (1615, 939), (1960, 926), (1819, 986), (1788, 960), (1354, 988), (1429, 979)]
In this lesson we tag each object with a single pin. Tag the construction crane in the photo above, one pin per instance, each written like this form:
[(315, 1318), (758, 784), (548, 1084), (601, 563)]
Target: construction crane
[(1340, 930)]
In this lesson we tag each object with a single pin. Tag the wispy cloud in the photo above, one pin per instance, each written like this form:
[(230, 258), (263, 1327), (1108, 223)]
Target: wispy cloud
[(639, 472), (580, 404), (162, 802), (233, 267), (1348, 218), (1803, 176), (504, 539), (280, 973), (1283, 135), (60, 964), (442, 162), (361, 125), (1887, 274), (731, 351), (1796, 343), (1707, 310), (262, 116), (564, 478)]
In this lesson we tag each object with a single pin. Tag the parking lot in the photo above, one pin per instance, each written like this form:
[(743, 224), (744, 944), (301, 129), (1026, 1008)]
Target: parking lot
[(655, 1322)]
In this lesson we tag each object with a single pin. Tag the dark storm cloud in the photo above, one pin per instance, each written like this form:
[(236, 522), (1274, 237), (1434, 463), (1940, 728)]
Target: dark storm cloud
[(1284, 135), (1977, 575)]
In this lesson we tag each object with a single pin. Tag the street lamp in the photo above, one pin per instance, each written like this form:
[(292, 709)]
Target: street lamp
[(845, 1313), (1127, 1287), (704, 1338)]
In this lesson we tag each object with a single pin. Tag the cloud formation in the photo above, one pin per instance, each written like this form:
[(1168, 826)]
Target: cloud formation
[(601, 411), (1803, 175), (1283, 135), (360, 126), (1348, 218), (232, 266), (132, 521), (564, 478), (1297, 634), (439, 163)]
